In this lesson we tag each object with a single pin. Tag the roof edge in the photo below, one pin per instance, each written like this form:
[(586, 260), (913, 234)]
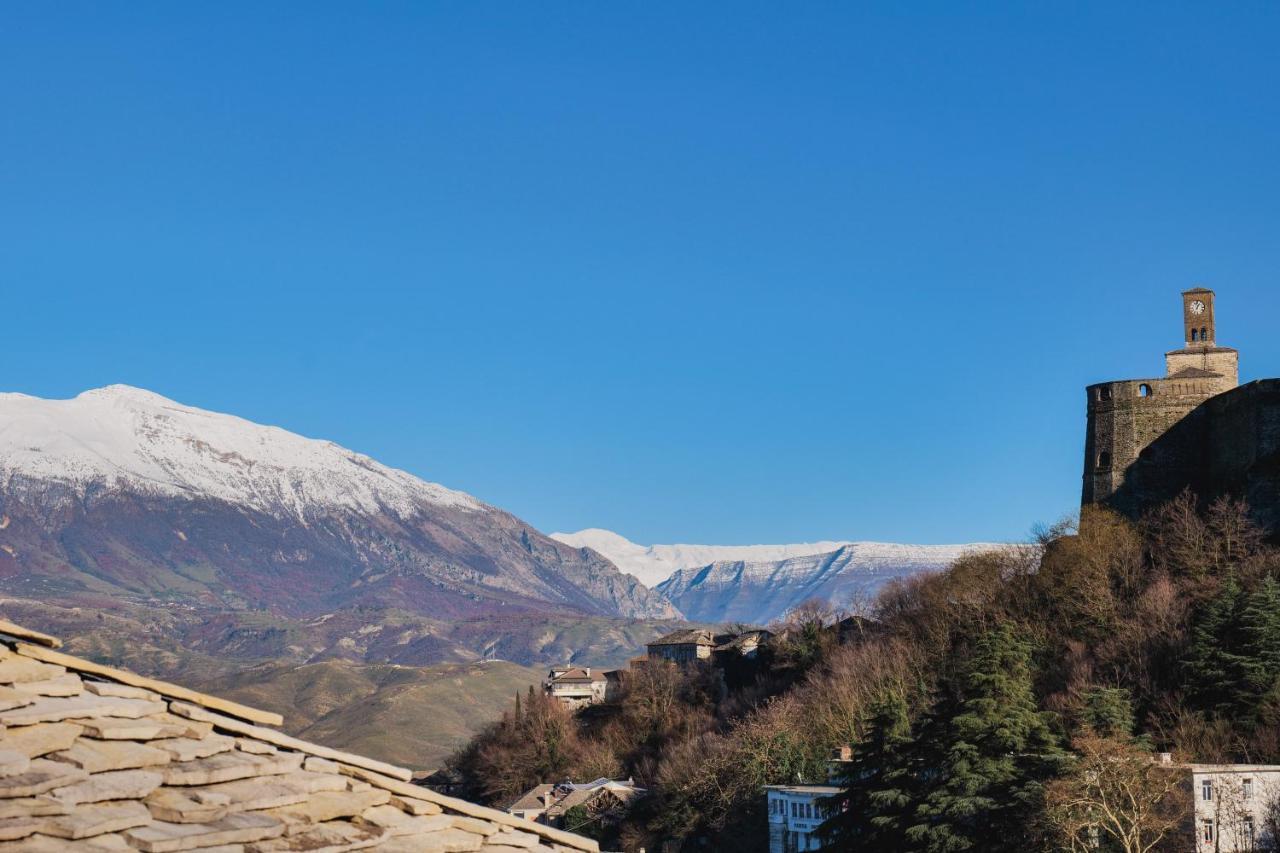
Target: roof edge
[(14, 630), (417, 792), (236, 719), (170, 691)]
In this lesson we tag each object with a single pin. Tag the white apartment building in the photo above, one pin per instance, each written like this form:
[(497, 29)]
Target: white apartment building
[(795, 813), (1233, 803)]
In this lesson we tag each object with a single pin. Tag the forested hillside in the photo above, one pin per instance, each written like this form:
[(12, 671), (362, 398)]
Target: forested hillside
[(990, 705)]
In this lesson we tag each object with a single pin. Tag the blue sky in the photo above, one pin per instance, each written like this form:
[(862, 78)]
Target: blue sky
[(695, 272)]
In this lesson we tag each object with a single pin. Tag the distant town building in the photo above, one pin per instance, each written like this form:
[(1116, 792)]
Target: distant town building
[(602, 800), (1234, 806), (701, 644), (683, 646), (744, 645), (795, 813), (580, 686)]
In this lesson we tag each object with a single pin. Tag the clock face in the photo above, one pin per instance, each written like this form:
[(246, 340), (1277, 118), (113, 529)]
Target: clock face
[(1197, 307)]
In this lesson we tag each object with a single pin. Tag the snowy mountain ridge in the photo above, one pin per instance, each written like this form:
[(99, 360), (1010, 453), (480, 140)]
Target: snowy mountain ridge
[(761, 592), (125, 437), (653, 564)]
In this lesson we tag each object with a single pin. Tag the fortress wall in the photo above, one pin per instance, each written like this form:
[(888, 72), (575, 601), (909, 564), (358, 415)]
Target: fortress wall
[(1244, 448), (1140, 446)]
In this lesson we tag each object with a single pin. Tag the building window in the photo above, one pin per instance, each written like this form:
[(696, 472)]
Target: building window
[(1206, 831), (1195, 335), (1104, 393), (1104, 459), (1247, 785), (1204, 334), (1248, 830), (1144, 390), (795, 809), (1206, 790)]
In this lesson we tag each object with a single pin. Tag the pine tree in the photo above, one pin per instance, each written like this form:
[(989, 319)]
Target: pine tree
[(1108, 712), (1260, 647), (870, 813), (992, 758), (1214, 666)]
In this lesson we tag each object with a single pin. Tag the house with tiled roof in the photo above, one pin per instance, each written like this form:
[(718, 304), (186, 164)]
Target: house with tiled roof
[(683, 646), (576, 686), (599, 800), (94, 758)]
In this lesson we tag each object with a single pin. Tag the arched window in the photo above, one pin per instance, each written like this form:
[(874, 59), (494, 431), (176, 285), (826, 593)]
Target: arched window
[(1104, 393), (1195, 335), (1104, 459), (1204, 333), (1144, 390)]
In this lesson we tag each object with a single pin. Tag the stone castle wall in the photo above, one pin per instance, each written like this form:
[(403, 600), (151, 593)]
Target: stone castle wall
[(1182, 436)]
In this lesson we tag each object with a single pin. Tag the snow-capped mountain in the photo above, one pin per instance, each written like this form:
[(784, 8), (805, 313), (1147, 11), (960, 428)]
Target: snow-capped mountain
[(120, 437), (123, 492), (653, 564), (760, 592)]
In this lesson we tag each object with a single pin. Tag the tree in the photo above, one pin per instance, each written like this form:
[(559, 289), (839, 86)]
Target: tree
[(1115, 792), (1213, 666), (878, 785), (1260, 646), (990, 760), (1108, 712)]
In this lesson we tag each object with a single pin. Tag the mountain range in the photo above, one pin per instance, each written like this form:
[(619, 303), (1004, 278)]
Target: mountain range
[(759, 584), (653, 564), (122, 493), (761, 592)]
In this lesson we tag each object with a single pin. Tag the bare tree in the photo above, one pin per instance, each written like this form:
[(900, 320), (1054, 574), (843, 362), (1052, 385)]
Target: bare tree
[(1117, 792)]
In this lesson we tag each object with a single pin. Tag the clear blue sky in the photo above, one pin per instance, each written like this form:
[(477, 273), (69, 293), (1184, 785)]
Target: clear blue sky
[(695, 272)]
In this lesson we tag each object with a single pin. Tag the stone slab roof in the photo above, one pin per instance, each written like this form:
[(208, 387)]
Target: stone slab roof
[(688, 637), (94, 758)]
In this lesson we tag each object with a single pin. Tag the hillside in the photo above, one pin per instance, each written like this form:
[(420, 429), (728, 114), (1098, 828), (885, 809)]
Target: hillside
[(413, 716), (990, 705), (120, 492)]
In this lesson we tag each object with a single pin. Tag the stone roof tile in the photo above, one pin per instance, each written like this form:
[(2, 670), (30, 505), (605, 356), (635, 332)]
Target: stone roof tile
[(99, 759)]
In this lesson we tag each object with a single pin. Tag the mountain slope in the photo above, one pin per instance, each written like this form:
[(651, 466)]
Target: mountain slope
[(122, 492), (415, 716), (653, 564), (763, 591)]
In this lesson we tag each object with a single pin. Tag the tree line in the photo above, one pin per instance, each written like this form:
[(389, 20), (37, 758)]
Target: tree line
[(1004, 704)]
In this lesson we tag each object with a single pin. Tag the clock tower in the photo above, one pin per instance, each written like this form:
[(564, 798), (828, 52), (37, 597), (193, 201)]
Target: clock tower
[(1197, 317), (1201, 360)]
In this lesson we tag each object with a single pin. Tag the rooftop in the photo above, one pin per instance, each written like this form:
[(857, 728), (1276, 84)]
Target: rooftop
[(691, 636), (825, 790), (98, 758)]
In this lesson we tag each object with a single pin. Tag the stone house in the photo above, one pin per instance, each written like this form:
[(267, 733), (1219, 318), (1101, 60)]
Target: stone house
[(97, 758), (743, 645), (603, 799), (683, 646)]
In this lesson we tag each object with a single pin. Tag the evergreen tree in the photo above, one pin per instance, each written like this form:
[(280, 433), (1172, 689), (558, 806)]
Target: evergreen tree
[(1214, 665), (1108, 712), (992, 757), (1260, 647), (869, 814)]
